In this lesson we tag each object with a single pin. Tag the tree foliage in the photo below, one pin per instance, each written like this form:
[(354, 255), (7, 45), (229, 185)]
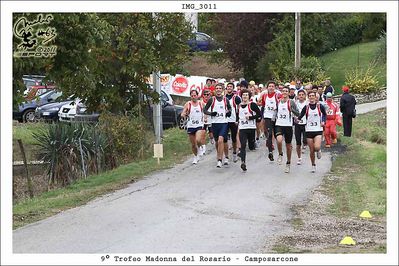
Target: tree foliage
[(244, 36), (106, 58), (320, 33)]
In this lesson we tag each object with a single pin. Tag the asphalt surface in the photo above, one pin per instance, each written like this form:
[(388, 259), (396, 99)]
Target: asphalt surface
[(186, 209)]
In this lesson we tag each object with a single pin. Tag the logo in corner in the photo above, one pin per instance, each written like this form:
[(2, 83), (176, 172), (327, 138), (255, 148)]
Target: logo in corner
[(34, 37)]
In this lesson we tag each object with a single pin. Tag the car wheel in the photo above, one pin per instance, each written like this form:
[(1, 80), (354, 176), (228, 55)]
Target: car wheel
[(29, 116), (182, 122)]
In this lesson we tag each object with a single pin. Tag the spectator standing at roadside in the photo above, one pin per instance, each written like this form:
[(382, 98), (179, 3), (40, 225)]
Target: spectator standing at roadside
[(347, 106)]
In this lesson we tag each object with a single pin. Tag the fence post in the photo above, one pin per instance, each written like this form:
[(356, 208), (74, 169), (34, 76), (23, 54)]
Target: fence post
[(81, 155), (30, 186)]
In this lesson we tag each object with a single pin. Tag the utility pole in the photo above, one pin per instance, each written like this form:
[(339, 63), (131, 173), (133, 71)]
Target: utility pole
[(193, 19), (297, 40), (157, 110)]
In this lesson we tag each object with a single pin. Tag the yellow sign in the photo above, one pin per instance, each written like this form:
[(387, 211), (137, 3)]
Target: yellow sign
[(347, 241), (365, 214), (158, 150)]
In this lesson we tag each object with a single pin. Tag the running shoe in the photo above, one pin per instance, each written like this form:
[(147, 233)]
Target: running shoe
[(271, 158), (235, 159), (243, 167), (287, 168), (195, 160), (313, 168), (219, 165), (280, 159), (299, 162), (203, 149), (319, 154), (226, 161)]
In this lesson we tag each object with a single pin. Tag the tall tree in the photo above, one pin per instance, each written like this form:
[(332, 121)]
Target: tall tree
[(106, 58), (244, 36)]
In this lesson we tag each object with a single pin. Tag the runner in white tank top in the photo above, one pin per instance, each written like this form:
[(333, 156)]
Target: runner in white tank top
[(234, 101), (286, 108), (195, 124), (248, 112), (218, 107), (315, 114), (299, 129)]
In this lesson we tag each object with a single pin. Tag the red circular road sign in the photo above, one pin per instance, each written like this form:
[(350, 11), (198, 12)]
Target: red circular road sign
[(180, 84)]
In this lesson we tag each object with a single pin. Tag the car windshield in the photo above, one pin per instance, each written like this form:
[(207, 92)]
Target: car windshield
[(47, 93)]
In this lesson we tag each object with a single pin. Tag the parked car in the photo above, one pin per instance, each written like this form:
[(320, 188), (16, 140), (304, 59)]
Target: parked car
[(164, 95), (32, 80), (37, 90), (171, 115), (26, 110), (49, 112), (68, 111), (202, 42)]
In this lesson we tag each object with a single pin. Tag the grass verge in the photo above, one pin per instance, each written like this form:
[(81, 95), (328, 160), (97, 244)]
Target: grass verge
[(176, 148), (357, 182), (337, 63), (362, 169)]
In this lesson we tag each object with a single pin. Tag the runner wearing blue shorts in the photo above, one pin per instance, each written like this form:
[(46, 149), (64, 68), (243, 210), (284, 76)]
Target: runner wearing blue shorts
[(219, 109)]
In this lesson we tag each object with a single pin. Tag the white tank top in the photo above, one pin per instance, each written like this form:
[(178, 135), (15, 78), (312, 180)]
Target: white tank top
[(300, 107), (232, 118), (270, 107), (313, 123), (243, 122), (220, 108), (284, 117), (196, 117)]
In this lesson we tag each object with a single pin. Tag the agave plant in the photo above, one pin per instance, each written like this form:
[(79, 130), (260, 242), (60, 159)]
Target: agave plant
[(72, 151)]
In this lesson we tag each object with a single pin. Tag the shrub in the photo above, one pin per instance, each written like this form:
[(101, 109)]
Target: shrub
[(381, 53), (362, 80), (309, 72), (129, 136)]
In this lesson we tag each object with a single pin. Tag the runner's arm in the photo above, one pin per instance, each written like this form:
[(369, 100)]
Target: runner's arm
[(206, 108), (294, 108), (185, 109), (324, 113), (255, 108), (302, 114), (228, 106)]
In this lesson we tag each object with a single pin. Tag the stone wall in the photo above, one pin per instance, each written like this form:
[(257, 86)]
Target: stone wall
[(367, 98)]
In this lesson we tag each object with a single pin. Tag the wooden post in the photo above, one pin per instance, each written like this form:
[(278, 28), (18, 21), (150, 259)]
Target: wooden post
[(81, 156), (29, 180)]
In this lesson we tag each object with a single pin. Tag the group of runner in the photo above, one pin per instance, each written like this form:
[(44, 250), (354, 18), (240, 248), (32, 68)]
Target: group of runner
[(248, 111)]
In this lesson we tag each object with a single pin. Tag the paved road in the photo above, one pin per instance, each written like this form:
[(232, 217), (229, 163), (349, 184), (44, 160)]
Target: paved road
[(187, 209), (368, 107)]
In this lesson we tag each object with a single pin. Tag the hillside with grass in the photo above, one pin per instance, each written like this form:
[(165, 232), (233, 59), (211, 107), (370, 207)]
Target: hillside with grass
[(339, 62)]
